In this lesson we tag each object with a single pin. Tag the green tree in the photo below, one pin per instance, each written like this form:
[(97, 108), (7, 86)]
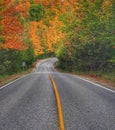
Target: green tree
[(28, 54), (36, 12), (90, 35)]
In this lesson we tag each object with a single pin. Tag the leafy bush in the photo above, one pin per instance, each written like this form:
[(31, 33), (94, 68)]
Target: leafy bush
[(36, 12), (2, 40), (91, 38)]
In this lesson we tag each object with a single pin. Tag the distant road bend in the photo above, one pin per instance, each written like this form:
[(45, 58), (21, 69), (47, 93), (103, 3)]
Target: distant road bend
[(30, 104)]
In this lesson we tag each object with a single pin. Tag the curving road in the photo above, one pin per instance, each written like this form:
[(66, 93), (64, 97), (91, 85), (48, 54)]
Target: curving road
[(29, 103)]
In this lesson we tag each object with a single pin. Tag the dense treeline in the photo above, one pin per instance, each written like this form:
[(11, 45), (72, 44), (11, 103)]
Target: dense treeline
[(81, 33), (90, 42), (15, 43), (11, 60)]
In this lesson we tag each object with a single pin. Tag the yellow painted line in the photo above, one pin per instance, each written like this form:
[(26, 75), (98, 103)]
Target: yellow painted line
[(59, 106)]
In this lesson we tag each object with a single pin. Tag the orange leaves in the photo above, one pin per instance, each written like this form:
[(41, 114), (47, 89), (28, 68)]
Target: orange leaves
[(12, 28), (44, 37), (52, 34), (12, 25), (16, 12), (23, 7), (14, 43), (107, 3), (35, 39), (47, 2)]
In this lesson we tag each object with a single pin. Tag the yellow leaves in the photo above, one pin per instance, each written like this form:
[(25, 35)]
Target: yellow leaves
[(12, 28), (35, 39), (52, 34), (47, 2), (45, 37), (107, 3), (23, 7)]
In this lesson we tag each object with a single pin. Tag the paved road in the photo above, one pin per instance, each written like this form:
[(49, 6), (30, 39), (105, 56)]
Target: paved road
[(29, 103)]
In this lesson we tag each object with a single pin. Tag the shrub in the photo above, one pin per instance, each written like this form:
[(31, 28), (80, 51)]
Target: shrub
[(36, 12)]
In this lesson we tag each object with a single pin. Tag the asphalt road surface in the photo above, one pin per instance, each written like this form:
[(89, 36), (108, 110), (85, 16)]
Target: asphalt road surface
[(29, 103)]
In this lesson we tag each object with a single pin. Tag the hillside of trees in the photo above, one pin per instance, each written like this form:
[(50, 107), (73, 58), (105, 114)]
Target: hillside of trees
[(80, 33), (89, 43)]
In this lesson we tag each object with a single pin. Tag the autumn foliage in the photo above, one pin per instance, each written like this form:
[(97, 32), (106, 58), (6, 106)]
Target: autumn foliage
[(12, 28), (76, 31), (14, 31), (35, 38)]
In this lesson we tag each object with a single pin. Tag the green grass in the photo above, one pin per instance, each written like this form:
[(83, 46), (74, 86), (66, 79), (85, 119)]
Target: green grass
[(18, 73), (3, 76), (4, 79), (109, 76)]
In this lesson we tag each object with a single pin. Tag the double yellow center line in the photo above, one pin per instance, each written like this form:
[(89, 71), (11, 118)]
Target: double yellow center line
[(59, 106)]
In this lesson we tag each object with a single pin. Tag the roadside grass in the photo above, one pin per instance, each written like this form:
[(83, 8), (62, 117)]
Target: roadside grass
[(106, 75), (109, 76), (4, 79), (7, 75), (105, 78)]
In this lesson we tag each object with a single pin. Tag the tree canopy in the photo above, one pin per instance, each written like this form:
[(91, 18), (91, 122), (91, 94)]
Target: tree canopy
[(80, 33)]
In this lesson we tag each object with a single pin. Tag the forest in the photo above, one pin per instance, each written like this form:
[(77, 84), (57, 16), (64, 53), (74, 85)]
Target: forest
[(80, 33)]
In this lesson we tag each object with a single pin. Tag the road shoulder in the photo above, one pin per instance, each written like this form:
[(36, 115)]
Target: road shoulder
[(91, 77)]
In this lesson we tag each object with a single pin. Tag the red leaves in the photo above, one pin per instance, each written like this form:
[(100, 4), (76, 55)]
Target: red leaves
[(12, 25), (35, 39), (12, 28), (23, 8), (14, 43), (13, 32)]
